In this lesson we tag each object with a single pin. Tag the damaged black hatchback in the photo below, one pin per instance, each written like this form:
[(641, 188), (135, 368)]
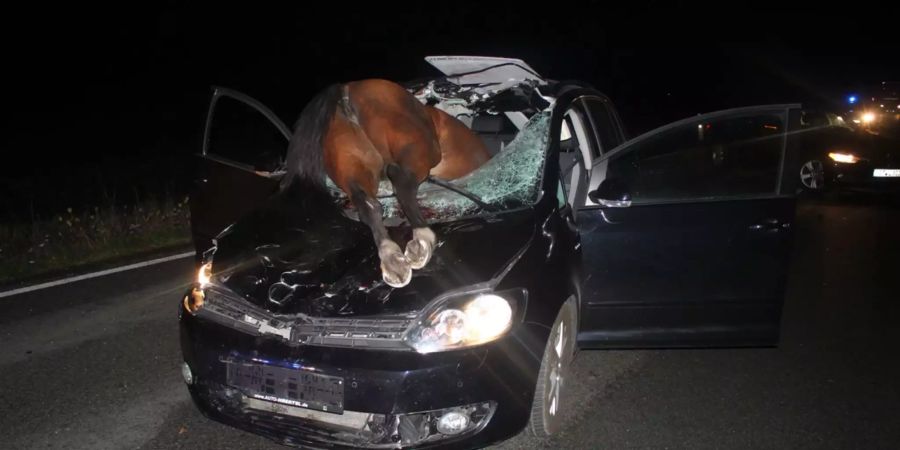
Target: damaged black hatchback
[(290, 332)]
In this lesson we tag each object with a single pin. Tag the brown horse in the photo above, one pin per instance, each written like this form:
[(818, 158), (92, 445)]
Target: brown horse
[(360, 132)]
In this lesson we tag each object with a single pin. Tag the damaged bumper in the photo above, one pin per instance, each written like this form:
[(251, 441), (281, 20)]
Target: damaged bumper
[(357, 390)]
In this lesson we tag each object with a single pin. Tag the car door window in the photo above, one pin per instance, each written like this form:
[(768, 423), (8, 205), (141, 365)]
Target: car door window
[(240, 133), (576, 154), (704, 159), (569, 152), (607, 130)]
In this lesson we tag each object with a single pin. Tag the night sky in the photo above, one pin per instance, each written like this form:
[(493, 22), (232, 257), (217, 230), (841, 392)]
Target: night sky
[(87, 85)]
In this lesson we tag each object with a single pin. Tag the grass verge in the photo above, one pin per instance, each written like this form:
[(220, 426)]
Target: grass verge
[(77, 239)]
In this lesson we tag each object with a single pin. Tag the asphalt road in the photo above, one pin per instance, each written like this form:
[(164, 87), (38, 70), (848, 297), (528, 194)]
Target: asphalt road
[(95, 364)]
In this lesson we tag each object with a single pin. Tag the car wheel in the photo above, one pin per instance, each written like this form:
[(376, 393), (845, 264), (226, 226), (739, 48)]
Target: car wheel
[(812, 176), (546, 409)]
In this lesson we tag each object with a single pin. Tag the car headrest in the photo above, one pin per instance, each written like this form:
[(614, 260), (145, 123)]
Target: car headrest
[(492, 124)]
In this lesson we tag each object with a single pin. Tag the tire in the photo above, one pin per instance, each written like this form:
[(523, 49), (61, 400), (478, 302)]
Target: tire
[(812, 176), (558, 354)]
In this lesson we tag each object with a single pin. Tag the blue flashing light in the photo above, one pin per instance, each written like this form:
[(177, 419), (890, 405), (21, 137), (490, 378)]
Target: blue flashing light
[(851, 99)]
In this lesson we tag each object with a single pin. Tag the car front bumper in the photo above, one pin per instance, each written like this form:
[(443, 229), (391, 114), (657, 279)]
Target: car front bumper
[(860, 177), (394, 390)]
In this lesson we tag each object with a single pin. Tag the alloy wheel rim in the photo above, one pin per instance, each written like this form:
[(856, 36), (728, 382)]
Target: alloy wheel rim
[(556, 377), (812, 175)]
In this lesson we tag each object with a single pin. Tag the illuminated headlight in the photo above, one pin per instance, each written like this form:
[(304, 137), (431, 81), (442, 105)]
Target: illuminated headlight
[(204, 274), (453, 422), (868, 117), (464, 321), (195, 299), (847, 158)]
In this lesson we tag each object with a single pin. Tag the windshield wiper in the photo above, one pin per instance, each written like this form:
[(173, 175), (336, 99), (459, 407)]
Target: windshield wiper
[(449, 186)]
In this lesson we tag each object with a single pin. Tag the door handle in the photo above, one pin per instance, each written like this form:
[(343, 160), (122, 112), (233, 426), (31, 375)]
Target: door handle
[(770, 224), (613, 203)]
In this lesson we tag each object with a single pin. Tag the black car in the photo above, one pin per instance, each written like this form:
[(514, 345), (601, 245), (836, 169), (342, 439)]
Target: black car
[(580, 239), (835, 156)]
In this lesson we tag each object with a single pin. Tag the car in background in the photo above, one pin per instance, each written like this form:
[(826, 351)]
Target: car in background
[(570, 237), (832, 155)]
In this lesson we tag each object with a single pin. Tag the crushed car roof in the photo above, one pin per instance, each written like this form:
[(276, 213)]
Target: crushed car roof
[(489, 73)]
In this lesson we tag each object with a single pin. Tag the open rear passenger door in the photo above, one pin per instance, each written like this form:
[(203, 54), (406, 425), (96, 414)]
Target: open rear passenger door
[(244, 146)]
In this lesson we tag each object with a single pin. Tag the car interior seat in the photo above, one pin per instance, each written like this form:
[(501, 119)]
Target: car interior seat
[(496, 131)]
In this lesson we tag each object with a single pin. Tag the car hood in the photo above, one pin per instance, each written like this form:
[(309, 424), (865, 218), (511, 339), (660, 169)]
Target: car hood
[(301, 255)]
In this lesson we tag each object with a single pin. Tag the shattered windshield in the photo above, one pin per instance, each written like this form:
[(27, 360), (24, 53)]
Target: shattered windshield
[(508, 180)]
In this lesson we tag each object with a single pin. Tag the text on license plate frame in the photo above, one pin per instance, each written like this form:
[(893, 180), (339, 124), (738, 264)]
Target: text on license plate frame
[(288, 386)]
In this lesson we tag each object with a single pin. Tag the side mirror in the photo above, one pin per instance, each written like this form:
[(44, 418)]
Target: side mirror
[(612, 193)]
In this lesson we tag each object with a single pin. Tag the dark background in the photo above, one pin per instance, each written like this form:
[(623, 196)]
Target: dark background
[(113, 98)]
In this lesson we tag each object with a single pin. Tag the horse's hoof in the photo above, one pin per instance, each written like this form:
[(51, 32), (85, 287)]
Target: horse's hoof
[(418, 252), (420, 248), (395, 269), (396, 275)]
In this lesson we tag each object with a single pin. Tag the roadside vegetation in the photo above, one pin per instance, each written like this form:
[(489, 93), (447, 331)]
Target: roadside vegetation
[(91, 236)]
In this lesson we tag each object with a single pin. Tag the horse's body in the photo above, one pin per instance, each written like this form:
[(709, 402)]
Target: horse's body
[(360, 132)]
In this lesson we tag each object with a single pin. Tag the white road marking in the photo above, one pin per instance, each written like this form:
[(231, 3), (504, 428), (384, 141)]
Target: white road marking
[(87, 276)]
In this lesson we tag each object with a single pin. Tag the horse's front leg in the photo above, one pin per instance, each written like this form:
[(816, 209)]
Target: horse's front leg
[(420, 248), (395, 268)]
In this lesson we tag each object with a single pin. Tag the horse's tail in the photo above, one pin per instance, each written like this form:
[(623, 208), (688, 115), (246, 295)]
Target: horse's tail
[(304, 162)]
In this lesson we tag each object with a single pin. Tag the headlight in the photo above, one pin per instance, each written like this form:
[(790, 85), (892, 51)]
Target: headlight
[(848, 158), (194, 300), (465, 321), (204, 274)]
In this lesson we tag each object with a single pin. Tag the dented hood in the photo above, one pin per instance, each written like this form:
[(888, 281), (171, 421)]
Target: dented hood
[(299, 254)]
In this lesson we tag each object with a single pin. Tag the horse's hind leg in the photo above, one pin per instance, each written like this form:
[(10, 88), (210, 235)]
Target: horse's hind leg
[(420, 248), (395, 268)]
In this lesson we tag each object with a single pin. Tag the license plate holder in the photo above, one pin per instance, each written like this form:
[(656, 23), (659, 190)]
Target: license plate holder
[(886, 173), (288, 385)]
